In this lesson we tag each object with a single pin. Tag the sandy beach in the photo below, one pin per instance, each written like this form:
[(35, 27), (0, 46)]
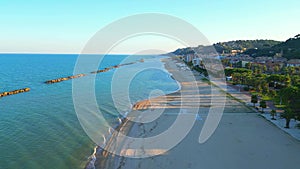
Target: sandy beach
[(242, 140)]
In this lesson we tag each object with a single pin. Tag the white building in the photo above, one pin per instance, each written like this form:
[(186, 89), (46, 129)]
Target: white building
[(293, 63), (197, 61)]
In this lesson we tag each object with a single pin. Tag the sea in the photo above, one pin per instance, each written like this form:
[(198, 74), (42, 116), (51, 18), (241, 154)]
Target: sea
[(40, 129)]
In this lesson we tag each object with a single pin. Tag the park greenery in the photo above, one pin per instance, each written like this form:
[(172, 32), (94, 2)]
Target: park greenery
[(282, 87)]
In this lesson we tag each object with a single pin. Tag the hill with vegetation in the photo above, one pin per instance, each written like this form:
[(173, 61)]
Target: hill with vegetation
[(289, 49), (227, 47)]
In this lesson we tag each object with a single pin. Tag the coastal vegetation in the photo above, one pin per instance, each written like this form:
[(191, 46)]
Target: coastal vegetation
[(283, 89), (280, 89)]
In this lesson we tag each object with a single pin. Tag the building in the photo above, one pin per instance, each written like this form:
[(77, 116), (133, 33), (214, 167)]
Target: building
[(189, 57), (197, 61), (293, 63)]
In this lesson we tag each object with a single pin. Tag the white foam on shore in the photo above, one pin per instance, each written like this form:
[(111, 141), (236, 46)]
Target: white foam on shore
[(93, 157), (171, 76)]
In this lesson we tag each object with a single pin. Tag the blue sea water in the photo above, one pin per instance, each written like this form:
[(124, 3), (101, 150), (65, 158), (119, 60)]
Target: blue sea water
[(40, 129)]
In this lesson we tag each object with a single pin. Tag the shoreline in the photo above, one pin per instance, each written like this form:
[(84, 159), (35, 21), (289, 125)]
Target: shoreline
[(105, 159), (231, 144), (99, 156)]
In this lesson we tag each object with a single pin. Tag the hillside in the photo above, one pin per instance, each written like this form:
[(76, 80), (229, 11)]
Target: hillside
[(244, 45), (289, 49)]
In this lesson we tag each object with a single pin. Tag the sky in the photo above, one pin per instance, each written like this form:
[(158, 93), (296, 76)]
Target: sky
[(55, 26)]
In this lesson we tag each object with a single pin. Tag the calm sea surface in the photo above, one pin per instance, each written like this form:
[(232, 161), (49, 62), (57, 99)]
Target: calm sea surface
[(40, 129)]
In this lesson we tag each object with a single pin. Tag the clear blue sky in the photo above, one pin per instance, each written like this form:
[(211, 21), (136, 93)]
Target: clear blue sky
[(56, 26)]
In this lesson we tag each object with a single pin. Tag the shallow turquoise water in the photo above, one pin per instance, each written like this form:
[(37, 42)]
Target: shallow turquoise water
[(40, 129)]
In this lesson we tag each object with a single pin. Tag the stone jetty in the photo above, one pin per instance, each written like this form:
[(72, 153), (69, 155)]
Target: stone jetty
[(64, 79), (93, 72), (101, 71), (14, 92)]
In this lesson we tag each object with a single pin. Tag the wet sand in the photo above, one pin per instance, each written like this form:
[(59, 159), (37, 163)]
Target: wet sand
[(242, 140)]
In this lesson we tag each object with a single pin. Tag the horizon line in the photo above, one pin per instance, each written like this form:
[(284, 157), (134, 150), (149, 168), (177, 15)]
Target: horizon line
[(42, 53)]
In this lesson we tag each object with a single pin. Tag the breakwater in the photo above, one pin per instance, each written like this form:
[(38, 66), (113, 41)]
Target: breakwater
[(64, 79), (93, 72), (8, 93), (3, 94)]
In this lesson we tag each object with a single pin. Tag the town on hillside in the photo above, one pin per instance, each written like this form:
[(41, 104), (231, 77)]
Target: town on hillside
[(267, 70)]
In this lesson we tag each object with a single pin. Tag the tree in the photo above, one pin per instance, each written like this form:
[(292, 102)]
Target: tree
[(285, 70), (294, 101), (277, 79), (259, 88), (225, 62), (248, 80), (263, 105), (288, 94), (287, 80), (273, 114), (248, 65), (276, 69), (265, 68), (272, 93), (265, 87), (254, 99), (291, 70), (236, 78), (288, 115), (257, 70)]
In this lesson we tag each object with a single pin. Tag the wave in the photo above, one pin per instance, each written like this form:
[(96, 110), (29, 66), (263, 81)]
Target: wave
[(98, 149), (118, 122)]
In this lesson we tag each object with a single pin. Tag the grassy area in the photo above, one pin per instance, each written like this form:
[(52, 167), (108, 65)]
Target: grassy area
[(254, 93), (278, 106), (267, 98)]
